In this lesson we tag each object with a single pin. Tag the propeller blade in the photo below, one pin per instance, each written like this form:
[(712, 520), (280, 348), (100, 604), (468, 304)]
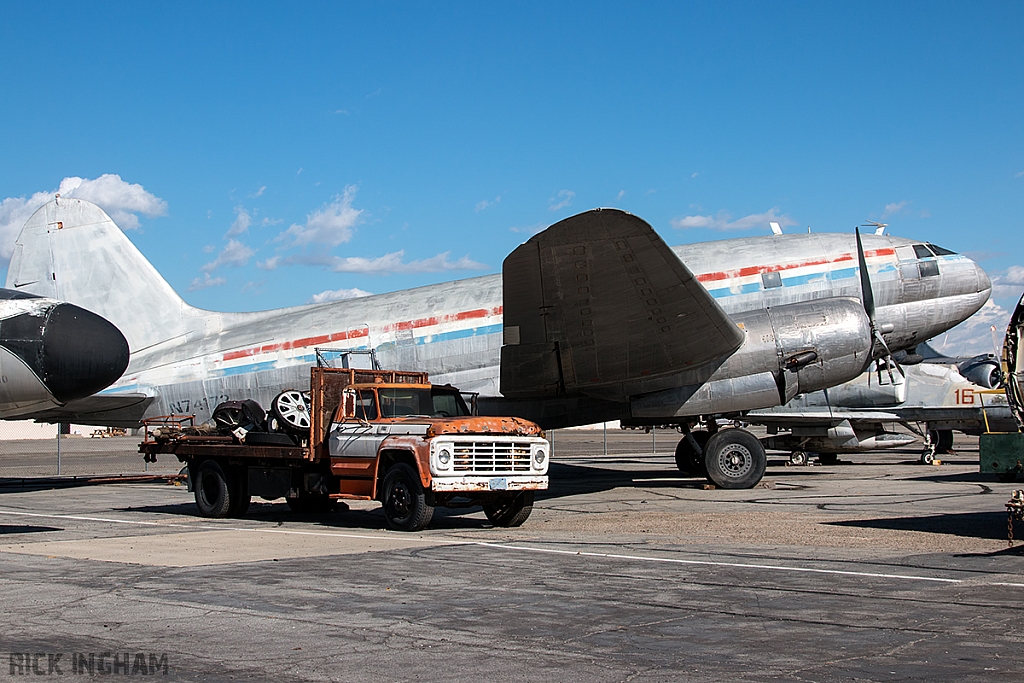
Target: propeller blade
[(865, 281)]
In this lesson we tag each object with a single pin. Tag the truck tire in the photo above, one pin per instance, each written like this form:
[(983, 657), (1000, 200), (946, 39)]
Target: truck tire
[(210, 485), (735, 459), (405, 503), (510, 510)]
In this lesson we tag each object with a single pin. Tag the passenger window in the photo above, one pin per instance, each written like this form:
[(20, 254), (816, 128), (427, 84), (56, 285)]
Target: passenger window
[(929, 268), (366, 405), (771, 280), (905, 253), (910, 271), (922, 251)]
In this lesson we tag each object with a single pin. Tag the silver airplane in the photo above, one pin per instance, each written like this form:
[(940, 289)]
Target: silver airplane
[(53, 353), (593, 319)]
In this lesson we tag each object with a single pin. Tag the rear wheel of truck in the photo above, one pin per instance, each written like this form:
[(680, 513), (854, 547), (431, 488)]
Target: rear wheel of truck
[(210, 485), (510, 510), (405, 503)]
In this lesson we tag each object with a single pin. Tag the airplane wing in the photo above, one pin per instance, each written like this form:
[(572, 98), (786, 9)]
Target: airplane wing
[(598, 304), (108, 410)]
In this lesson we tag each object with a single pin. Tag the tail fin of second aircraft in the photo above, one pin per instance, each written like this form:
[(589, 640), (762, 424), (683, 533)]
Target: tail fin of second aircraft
[(72, 251)]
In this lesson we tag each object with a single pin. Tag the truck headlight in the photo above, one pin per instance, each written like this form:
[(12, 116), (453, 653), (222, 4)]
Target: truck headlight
[(444, 457), (540, 456)]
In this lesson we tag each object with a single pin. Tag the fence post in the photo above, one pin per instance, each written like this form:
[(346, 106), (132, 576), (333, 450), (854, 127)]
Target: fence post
[(58, 449)]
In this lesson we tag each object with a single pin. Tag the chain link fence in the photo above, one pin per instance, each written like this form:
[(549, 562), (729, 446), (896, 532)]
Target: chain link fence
[(34, 450), (613, 440)]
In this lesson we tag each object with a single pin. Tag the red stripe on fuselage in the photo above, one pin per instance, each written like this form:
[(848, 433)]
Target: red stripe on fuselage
[(362, 332), (757, 270)]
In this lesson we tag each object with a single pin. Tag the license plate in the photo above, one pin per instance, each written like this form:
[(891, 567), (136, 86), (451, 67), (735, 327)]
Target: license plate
[(498, 484)]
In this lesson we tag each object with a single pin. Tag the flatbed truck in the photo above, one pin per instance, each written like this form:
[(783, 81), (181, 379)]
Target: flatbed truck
[(382, 435)]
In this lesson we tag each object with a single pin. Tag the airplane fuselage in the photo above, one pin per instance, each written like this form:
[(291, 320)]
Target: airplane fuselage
[(454, 330)]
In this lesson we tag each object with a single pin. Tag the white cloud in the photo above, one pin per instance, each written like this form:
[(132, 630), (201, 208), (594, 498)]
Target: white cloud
[(694, 174), (381, 265), (532, 229), (564, 199), (122, 201), (1009, 283), (331, 224), (234, 254), (337, 295), (483, 204), (242, 222), (894, 208), (259, 192), (620, 195), (975, 335), (206, 281), (1019, 175), (721, 221), (270, 264)]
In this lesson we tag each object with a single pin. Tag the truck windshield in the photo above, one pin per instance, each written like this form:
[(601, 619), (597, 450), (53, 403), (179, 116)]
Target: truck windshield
[(435, 402)]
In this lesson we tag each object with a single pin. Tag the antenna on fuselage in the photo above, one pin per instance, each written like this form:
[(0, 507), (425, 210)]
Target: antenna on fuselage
[(879, 227), (868, 297), (776, 228)]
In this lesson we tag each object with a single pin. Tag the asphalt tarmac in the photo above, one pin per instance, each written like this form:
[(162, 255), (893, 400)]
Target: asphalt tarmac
[(876, 569)]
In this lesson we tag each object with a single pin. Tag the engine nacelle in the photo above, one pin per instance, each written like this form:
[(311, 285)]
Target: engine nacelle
[(983, 371), (790, 349)]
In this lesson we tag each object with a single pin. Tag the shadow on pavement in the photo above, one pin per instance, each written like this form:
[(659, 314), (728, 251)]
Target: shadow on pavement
[(987, 525)]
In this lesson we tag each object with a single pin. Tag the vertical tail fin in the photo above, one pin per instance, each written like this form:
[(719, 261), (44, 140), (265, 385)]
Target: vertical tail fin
[(72, 251)]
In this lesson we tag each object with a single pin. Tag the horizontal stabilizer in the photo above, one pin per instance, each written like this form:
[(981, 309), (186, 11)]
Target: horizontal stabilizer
[(598, 304)]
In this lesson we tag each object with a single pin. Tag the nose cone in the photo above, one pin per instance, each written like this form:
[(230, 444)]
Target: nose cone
[(984, 282), (81, 353)]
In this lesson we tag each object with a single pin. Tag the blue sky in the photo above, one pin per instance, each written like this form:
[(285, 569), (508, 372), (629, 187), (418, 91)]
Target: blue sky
[(267, 154)]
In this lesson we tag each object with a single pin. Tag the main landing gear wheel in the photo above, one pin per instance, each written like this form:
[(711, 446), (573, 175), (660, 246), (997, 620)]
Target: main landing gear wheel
[(510, 510), (735, 459), (405, 503), (687, 459), (291, 410), (941, 440)]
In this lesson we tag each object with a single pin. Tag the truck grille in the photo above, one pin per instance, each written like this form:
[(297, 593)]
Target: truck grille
[(492, 457)]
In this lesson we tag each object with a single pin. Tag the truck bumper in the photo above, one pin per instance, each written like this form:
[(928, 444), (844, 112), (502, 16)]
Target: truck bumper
[(478, 484)]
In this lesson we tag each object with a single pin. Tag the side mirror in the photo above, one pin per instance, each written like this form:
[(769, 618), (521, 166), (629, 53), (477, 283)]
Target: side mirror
[(348, 403)]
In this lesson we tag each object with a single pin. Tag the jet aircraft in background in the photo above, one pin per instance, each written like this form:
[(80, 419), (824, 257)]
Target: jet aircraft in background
[(593, 319), (932, 400), (53, 353)]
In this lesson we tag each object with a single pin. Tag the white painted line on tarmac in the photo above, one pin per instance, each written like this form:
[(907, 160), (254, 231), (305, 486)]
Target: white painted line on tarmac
[(502, 546), (215, 527), (739, 565)]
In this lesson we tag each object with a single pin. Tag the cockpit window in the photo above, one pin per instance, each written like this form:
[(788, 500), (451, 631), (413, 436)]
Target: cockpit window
[(939, 251), (922, 251)]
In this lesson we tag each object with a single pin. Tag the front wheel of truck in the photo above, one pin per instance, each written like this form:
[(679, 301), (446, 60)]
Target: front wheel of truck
[(510, 510), (405, 502)]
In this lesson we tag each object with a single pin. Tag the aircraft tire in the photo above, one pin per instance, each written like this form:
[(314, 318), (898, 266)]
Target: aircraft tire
[(211, 489), (405, 502), (798, 458), (941, 439), (735, 459), (687, 460), (508, 511)]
